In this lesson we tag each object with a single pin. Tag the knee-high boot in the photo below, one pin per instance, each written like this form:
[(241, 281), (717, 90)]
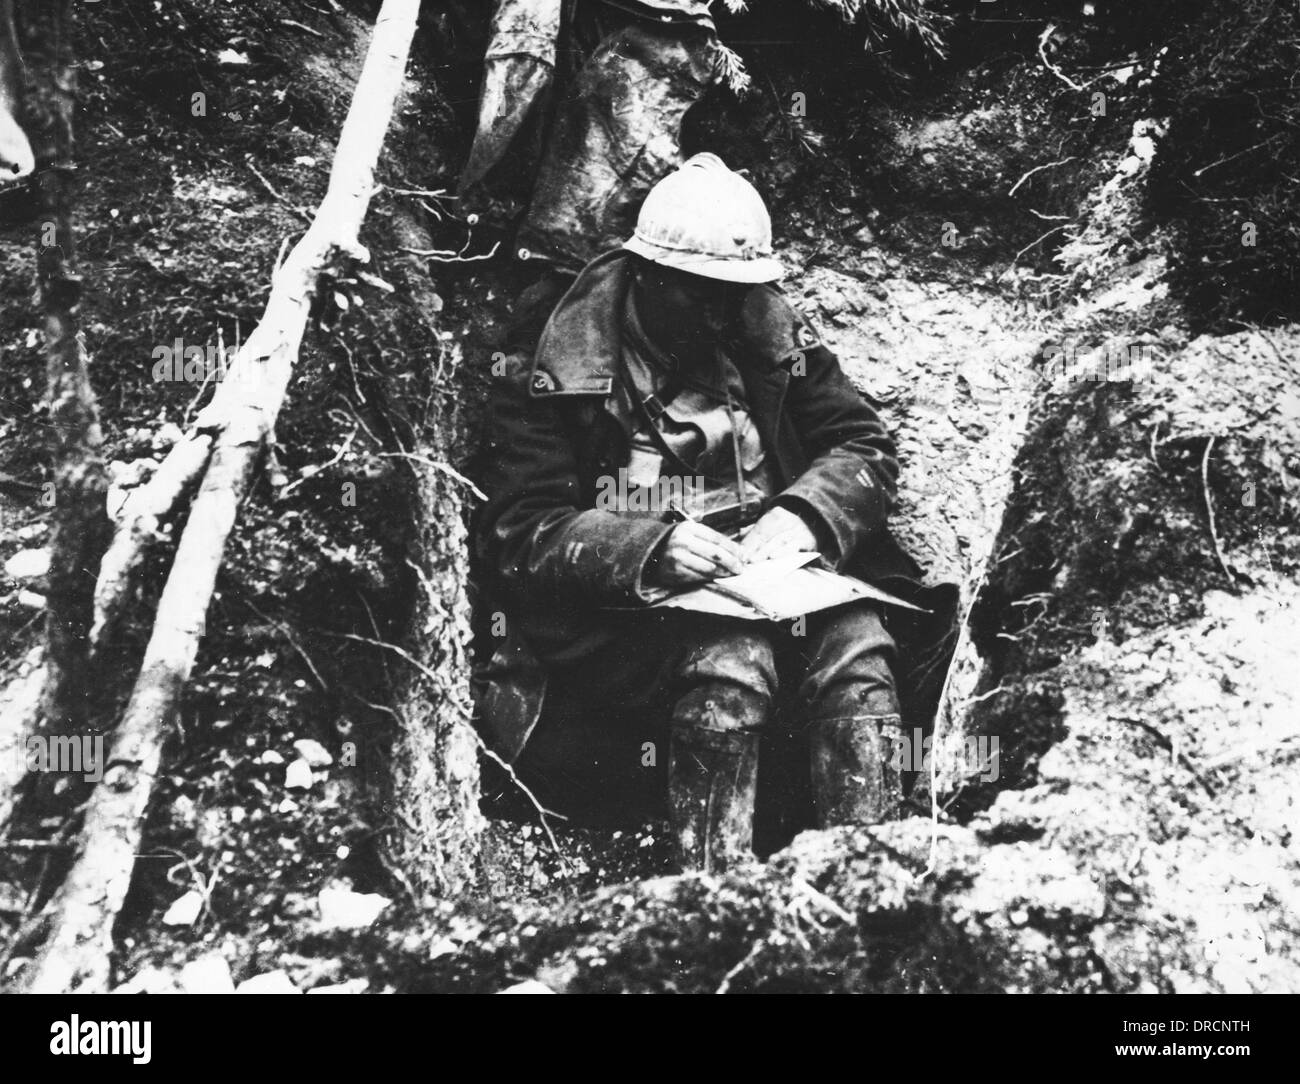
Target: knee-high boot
[(855, 779), (713, 775)]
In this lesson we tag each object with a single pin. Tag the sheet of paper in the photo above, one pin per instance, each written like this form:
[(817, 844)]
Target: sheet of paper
[(777, 590)]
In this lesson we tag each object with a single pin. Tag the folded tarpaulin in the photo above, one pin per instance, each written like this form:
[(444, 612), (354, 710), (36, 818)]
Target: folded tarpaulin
[(519, 65)]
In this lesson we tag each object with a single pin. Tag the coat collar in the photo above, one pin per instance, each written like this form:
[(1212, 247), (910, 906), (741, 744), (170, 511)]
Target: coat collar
[(579, 350), (581, 346)]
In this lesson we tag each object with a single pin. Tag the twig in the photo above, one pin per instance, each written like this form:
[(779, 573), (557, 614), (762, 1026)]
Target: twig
[(300, 26), (822, 900), (1038, 240), (373, 706), (422, 195), (271, 188), (542, 811), (446, 255), (207, 378), (1229, 158), (1209, 508), (438, 215), (361, 422), (1042, 52), (288, 635), (725, 985), (204, 887), (1038, 169), (352, 368), (436, 193), (305, 476), (1155, 445), (1164, 741), (451, 472), (986, 696), (1271, 344)]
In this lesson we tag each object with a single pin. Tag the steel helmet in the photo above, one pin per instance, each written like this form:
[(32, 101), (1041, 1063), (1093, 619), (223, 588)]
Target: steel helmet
[(706, 219)]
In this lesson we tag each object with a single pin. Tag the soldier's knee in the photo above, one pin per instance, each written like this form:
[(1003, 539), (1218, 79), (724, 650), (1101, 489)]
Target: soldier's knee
[(852, 631), (721, 707), (739, 656)]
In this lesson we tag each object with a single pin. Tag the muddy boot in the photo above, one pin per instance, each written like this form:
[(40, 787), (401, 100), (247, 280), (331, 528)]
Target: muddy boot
[(854, 777), (713, 776)]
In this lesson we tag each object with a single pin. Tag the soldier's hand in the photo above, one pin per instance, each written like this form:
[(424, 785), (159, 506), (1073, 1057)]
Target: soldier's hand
[(693, 553), (777, 532)]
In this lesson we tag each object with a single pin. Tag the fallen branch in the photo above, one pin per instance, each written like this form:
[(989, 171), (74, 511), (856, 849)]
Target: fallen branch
[(138, 524), (75, 956)]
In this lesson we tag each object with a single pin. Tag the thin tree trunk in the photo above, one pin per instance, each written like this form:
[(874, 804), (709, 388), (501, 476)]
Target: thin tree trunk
[(20, 712), (76, 953), (80, 526), (434, 761)]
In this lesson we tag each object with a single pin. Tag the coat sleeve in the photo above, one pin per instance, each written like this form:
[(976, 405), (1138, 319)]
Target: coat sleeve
[(545, 548), (851, 483)]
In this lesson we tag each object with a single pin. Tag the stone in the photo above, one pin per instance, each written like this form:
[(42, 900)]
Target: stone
[(313, 753), (28, 565), (184, 911), (273, 982), (530, 986), (343, 909), (207, 975), (298, 775)]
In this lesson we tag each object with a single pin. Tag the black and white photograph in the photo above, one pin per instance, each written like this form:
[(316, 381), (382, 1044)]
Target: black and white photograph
[(787, 497)]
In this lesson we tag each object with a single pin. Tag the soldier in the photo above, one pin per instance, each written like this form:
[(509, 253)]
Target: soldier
[(596, 92), (675, 357), (626, 72)]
